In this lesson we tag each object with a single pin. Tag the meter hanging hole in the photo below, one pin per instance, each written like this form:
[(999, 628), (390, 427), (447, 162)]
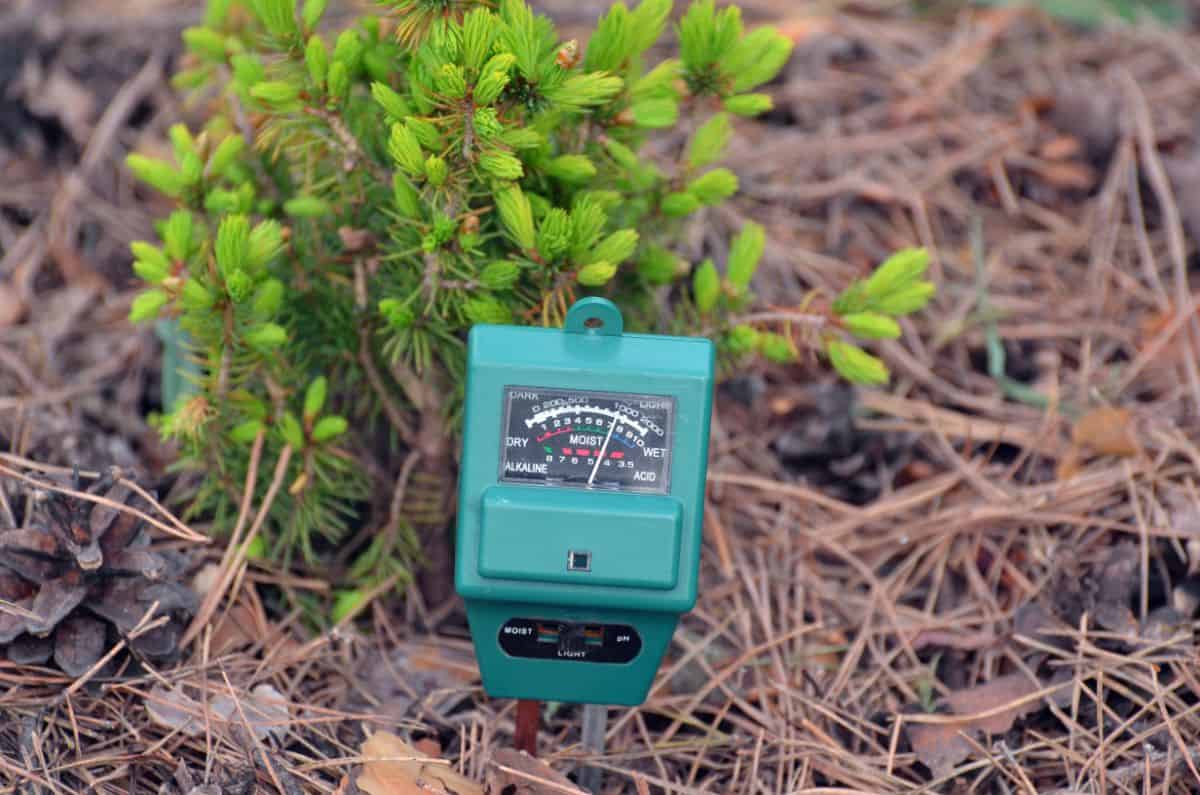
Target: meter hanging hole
[(579, 561), (594, 315)]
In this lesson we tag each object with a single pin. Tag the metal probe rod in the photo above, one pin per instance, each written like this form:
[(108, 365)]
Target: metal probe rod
[(595, 719)]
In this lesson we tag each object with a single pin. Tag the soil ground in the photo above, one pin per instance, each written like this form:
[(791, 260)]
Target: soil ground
[(984, 578)]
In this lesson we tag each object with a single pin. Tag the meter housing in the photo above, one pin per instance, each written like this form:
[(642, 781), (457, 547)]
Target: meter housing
[(581, 502)]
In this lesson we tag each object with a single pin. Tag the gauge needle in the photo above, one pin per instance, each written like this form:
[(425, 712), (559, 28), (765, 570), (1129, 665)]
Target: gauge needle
[(603, 449)]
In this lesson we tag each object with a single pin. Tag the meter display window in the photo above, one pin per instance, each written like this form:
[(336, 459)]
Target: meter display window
[(582, 439)]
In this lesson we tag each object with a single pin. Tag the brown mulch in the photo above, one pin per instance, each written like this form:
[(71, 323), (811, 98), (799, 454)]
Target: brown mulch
[(984, 578)]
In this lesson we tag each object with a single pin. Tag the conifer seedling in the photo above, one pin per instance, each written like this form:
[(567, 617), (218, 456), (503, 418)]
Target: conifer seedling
[(357, 199)]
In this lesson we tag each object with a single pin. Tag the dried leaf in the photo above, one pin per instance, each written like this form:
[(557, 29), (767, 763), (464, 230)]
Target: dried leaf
[(1003, 691), (393, 767), (434, 675), (171, 709), (517, 773), (1106, 431), (939, 746), (991, 707), (235, 629), (429, 746), (266, 710)]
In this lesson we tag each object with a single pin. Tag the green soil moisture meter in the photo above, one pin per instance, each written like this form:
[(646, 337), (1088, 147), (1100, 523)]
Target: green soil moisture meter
[(581, 503)]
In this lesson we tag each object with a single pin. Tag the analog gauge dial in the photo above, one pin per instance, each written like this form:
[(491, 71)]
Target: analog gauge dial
[(582, 439)]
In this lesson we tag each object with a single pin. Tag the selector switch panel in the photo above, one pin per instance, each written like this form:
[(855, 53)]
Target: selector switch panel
[(550, 639), (571, 644)]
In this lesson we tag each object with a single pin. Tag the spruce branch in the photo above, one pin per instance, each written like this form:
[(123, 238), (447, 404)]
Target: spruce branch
[(353, 154)]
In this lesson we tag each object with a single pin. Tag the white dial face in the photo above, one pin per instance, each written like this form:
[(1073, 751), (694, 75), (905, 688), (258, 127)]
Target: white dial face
[(583, 439)]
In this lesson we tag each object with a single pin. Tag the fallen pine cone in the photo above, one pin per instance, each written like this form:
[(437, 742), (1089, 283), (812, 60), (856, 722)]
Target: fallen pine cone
[(83, 575)]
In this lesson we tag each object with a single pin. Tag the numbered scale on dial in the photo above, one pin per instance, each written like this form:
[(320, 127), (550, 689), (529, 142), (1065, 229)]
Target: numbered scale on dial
[(583, 439)]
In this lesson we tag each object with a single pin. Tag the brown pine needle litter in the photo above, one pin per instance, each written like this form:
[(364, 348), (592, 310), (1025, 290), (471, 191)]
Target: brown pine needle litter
[(984, 579)]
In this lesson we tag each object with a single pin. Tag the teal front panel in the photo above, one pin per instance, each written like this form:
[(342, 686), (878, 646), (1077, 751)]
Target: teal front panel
[(531, 532), (500, 356)]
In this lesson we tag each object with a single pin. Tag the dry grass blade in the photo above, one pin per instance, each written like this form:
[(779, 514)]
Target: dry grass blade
[(235, 554)]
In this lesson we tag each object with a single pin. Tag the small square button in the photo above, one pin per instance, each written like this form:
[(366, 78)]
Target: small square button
[(579, 561)]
